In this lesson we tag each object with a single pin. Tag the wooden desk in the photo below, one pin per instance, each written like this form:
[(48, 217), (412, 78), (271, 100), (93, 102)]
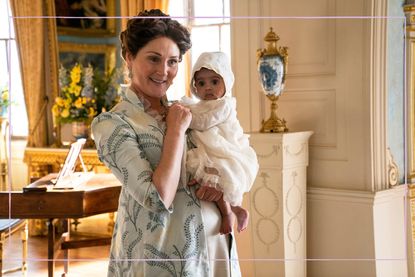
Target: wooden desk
[(99, 195), (42, 161)]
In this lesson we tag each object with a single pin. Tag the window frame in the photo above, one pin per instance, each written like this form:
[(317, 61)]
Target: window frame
[(189, 21)]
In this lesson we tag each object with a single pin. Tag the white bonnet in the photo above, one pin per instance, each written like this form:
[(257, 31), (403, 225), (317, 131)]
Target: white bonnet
[(218, 62)]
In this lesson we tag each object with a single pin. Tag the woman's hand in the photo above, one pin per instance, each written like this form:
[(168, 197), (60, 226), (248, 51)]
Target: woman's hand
[(206, 193), (178, 118)]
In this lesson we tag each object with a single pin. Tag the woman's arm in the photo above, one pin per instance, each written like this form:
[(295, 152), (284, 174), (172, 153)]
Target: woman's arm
[(166, 175)]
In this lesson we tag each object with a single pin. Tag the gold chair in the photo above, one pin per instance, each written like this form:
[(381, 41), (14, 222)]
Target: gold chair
[(7, 228)]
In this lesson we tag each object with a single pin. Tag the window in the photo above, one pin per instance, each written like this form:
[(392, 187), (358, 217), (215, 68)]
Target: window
[(10, 77), (209, 23)]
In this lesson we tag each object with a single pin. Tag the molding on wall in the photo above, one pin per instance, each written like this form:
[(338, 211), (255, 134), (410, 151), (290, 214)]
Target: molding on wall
[(384, 196), (361, 197), (338, 195), (410, 84), (378, 96), (332, 217)]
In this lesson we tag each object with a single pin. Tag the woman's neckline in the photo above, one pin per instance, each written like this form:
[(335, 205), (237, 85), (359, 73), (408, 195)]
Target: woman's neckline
[(158, 113)]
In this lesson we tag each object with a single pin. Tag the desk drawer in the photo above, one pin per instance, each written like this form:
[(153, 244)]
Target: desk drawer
[(43, 204)]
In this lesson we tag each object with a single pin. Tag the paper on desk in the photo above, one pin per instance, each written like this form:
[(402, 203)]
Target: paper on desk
[(73, 180)]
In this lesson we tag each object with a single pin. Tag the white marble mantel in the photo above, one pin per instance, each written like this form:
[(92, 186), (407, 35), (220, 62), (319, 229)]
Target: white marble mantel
[(278, 204)]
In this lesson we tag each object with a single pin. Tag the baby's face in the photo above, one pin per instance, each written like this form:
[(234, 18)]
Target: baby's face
[(209, 85)]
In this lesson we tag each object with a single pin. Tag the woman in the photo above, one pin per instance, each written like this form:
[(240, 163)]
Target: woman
[(162, 229)]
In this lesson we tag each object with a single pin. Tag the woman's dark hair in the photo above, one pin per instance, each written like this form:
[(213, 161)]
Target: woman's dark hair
[(141, 31)]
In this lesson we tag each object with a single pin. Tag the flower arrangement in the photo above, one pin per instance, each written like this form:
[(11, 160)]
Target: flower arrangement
[(84, 94), (4, 101)]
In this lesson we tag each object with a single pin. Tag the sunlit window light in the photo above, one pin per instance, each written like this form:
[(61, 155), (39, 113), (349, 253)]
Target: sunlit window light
[(10, 77), (209, 24)]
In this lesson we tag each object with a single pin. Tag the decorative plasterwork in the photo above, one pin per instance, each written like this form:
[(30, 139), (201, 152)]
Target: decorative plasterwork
[(266, 216), (288, 149), (275, 150), (393, 170), (294, 206), (278, 207)]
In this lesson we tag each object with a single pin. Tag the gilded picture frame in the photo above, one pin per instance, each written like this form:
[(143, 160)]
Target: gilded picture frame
[(100, 56), (85, 18)]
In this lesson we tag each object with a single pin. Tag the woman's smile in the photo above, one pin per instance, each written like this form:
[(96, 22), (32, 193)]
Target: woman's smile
[(157, 81)]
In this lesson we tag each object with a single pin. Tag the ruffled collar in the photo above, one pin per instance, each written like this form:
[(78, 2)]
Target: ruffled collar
[(140, 100)]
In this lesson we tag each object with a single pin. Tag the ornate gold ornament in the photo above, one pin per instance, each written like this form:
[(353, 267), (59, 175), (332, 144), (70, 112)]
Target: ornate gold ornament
[(272, 68)]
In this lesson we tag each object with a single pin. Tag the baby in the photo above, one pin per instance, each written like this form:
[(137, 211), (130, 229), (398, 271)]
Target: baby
[(223, 157)]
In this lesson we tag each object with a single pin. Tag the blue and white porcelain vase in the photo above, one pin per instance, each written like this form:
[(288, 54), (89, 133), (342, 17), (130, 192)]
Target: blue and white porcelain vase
[(271, 72), (272, 67)]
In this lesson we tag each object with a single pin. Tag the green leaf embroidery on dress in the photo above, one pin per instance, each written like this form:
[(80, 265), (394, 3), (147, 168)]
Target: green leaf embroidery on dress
[(148, 141), (156, 220), (108, 150), (157, 129), (159, 259), (191, 247), (131, 213), (123, 265), (145, 176), (191, 250)]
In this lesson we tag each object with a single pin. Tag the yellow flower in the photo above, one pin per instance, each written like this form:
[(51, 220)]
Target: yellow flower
[(65, 113), (78, 103), (91, 112), (71, 105), (76, 73), (75, 89), (59, 101), (5, 95), (67, 102)]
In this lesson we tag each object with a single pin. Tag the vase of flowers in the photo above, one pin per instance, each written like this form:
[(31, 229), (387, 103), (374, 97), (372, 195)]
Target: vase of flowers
[(85, 92), (76, 103), (80, 129)]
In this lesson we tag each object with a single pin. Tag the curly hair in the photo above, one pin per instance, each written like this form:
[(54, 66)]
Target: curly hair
[(141, 31)]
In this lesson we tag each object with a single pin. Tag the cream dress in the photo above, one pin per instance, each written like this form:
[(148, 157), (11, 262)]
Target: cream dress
[(149, 238)]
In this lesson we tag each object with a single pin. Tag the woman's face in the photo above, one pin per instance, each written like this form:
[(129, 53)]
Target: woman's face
[(154, 67)]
